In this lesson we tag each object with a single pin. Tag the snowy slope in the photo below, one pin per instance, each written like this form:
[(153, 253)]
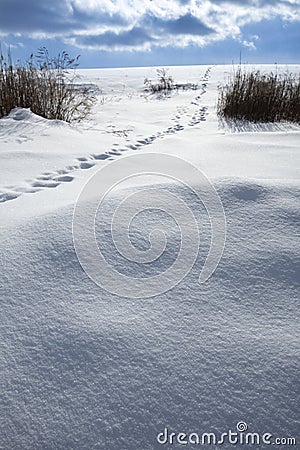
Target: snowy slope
[(84, 369)]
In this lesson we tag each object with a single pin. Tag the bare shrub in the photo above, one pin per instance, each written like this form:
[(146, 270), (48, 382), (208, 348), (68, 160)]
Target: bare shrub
[(258, 97), (45, 85), (164, 82)]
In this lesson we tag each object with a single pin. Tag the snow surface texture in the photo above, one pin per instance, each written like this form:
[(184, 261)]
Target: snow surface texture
[(83, 369)]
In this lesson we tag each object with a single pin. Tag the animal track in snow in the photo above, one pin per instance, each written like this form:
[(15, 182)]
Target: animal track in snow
[(6, 196), (86, 165), (53, 180), (82, 158), (102, 156), (200, 116), (64, 179), (45, 184)]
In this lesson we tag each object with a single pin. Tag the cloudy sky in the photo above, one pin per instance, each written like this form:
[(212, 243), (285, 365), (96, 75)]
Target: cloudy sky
[(108, 33)]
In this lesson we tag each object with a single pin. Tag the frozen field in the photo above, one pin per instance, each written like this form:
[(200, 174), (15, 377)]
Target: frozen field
[(83, 369)]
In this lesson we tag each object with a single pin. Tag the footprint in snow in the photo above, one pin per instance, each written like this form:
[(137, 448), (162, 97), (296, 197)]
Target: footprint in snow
[(45, 184), (73, 167), (102, 156), (44, 177), (64, 179), (113, 153), (86, 165), (6, 196)]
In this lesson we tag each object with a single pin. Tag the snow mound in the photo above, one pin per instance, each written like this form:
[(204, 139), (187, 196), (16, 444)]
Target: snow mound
[(26, 115), (84, 369), (22, 114)]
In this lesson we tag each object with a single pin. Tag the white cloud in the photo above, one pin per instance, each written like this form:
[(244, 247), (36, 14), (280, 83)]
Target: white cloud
[(249, 44), (141, 24)]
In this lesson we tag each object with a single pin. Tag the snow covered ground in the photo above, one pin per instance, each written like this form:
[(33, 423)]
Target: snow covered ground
[(84, 369)]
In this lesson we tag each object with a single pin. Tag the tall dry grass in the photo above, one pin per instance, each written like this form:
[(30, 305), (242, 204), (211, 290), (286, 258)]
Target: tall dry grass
[(45, 85), (258, 97)]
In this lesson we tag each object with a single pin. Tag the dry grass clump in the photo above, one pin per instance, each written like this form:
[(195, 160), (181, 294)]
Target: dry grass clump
[(258, 97), (45, 85), (164, 82)]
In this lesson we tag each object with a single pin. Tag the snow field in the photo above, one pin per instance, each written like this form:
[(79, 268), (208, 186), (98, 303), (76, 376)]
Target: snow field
[(83, 369)]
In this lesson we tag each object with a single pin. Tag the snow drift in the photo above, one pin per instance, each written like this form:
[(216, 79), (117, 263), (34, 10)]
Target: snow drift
[(83, 369)]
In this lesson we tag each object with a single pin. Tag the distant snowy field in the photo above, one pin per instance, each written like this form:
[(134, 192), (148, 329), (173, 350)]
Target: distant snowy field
[(83, 369)]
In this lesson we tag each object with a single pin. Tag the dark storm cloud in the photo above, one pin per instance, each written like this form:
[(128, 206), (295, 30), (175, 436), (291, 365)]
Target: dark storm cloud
[(184, 25), (17, 16), (152, 28), (55, 17), (130, 38)]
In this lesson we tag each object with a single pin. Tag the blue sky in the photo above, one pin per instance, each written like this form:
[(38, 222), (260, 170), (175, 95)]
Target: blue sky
[(108, 33)]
